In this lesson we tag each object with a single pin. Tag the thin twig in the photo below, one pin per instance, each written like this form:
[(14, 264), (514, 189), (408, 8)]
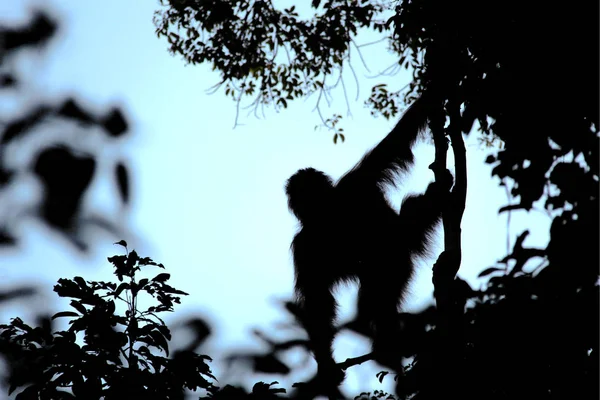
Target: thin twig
[(361, 56), (371, 43), (355, 77), (348, 111), (355, 361)]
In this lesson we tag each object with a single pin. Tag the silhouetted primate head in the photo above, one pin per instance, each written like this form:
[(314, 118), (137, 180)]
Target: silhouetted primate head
[(309, 194), (350, 232)]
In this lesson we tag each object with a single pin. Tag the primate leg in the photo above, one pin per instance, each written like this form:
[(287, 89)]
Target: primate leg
[(378, 306), (319, 309)]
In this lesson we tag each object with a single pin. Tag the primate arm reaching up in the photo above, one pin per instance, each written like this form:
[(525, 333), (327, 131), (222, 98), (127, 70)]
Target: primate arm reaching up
[(393, 154), (349, 232)]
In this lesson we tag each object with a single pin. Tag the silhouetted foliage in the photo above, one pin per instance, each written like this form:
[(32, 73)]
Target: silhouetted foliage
[(113, 352), (376, 395), (527, 75), (64, 167), (242, 39), (260, 391), (107, 352)]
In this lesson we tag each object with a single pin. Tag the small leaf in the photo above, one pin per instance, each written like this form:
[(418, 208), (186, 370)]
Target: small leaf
[(110, 307), (65, 314), (489, 271), (117, 261), (160, 341), (79, 307), (132, 258), (122, 243), (120, 289), (380, 375), (81, 282), (162, 277)]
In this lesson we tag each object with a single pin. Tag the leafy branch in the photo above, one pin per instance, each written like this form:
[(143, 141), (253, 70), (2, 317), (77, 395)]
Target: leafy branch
[(119, 354)]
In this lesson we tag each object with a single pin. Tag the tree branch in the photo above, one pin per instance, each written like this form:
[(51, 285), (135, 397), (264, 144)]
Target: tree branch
[(355, 361)]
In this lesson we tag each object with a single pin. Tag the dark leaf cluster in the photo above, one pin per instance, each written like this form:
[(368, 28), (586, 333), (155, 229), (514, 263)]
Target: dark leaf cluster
[(261, 51), (500, 62), (105, 353)]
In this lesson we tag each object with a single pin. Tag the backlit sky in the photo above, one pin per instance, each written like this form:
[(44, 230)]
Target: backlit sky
[(208, 199)]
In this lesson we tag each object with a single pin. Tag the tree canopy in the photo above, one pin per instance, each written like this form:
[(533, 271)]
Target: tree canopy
[(522, 72), (526, 73)]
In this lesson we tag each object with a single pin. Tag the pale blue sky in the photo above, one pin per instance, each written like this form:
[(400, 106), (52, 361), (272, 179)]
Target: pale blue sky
[(208, 200)]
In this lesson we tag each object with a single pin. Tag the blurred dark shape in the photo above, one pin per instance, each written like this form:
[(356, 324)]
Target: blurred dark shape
[(7, 81), (71, 109), (122, 181), (40, 29), (313, 388), (265, 362), (11, 294), (64, 175), (201, 331), (19, 127), (293, 308), (6, 238), (5, 176), (269, 363), (65, 178), (115, 123), (45, 324)]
